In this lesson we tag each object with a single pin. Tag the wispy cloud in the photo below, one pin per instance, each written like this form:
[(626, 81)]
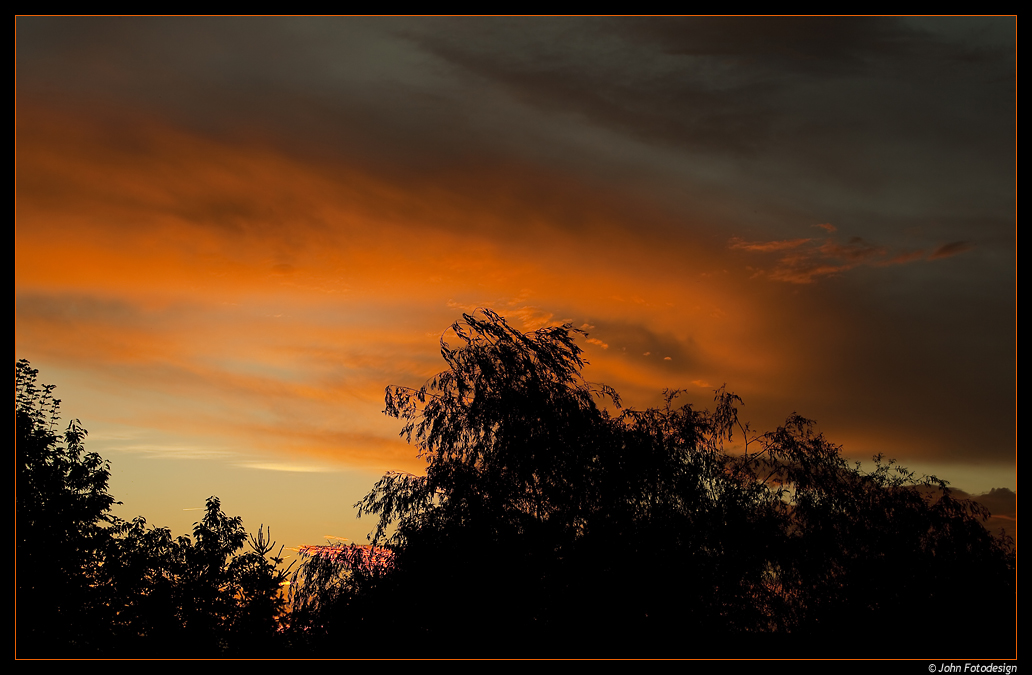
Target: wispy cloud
[(282, 466), (804, 261), (767, 246), (951, 249)]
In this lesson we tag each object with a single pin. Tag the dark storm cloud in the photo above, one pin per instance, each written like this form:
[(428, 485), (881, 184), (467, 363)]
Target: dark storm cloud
[(331, 87), (811, 45), (719, 84), (591, 69), (800, 117), (864, 123), (728, 84), (937, 355)]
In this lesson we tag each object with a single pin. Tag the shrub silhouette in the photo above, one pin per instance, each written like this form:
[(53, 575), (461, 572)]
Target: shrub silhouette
[(545, 525)]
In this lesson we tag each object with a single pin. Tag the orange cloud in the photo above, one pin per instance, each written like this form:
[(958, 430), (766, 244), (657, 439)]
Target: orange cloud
[(904, 258), (804, 260), (273, 294), (767, 246)]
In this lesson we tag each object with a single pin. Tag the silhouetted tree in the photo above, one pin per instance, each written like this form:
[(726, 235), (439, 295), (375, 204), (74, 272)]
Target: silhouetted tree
[(144, 572), (885, 549), (546, 525), (177, 597), (324, 598), (62, 518)]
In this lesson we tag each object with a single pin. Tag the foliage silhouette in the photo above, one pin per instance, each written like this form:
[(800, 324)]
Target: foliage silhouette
[(546, 525), (91, 584), (324, 593), (62, 515)]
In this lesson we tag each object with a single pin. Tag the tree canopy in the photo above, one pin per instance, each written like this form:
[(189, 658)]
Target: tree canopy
[(546, 524)]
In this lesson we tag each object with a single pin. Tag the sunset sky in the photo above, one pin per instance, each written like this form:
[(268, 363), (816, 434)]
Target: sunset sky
[(231, 234)]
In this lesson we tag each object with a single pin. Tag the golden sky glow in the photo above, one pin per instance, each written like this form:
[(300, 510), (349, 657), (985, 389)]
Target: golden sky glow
[(232, 234)]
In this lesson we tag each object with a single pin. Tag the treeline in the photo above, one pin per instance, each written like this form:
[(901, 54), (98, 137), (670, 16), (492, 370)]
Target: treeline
[(92, 585), (546, 525)]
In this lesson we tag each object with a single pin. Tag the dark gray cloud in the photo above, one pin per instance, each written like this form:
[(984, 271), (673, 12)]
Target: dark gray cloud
[(638, 342), (742, 84), (869, 124), (953, 248), (827, 118)]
